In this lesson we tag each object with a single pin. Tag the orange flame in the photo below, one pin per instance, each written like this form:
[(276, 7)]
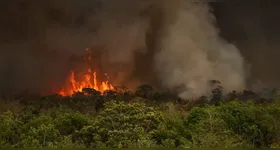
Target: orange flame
[(89, 81)]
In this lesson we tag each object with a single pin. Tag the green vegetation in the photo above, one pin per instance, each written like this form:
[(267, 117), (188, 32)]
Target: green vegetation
[(141, 119)]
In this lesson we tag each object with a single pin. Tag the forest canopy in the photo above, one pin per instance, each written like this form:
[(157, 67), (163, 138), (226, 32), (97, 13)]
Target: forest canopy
[(141, 119)]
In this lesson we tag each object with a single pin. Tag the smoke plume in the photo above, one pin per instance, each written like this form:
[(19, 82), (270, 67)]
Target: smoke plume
[(192, 53), (168, 44), (184, 50)]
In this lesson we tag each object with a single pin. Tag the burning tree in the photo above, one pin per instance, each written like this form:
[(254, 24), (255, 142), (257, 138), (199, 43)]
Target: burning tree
[(78, 81)]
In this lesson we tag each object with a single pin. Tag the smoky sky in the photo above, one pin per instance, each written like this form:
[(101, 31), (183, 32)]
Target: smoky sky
[(38, 37), (253, 26)]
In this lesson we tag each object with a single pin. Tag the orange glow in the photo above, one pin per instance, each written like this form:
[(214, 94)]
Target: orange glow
[(88, 80)]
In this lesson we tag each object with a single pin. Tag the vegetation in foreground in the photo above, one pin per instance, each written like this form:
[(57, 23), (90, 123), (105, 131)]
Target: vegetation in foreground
[(140, 120)]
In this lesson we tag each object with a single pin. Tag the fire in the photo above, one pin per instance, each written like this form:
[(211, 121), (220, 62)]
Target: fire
[(89, 80)]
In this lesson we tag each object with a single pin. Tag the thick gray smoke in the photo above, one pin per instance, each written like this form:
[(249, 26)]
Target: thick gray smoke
[(188, 50), (164, 43), (192, 53)]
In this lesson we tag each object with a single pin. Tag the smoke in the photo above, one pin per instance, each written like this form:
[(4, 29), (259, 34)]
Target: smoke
[(254, 29), (184, 48), (192, 53), (161, 42), (37, 38)]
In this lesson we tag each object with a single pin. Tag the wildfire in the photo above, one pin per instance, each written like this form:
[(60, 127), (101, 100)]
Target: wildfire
[(89, 80)]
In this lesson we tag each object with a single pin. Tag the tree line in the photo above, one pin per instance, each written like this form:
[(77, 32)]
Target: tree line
[(141, 119)]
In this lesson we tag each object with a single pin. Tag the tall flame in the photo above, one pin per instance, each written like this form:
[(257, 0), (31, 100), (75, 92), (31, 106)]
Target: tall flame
[(89, 80)]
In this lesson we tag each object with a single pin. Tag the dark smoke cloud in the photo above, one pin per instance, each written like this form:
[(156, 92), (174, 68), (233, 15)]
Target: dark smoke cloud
[(37, 37), (157, 41)]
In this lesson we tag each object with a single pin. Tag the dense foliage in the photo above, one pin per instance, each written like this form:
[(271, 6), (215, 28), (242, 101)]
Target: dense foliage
[(141, 119)]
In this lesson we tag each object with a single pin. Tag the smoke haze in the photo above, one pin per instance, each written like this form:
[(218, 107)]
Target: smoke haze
[(254, 29), (192, 53), (168, 44)]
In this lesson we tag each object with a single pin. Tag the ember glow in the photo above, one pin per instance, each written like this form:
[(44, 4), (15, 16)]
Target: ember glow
[(88, 80)]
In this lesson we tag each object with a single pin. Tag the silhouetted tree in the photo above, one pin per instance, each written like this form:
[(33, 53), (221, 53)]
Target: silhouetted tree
[(91, 92), (217, 91), (144, 90)]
